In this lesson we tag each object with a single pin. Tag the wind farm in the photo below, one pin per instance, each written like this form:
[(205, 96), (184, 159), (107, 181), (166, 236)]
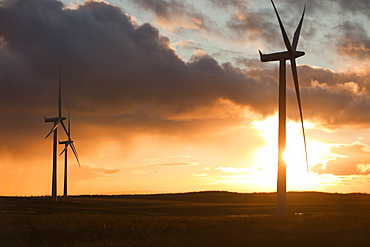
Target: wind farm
[(181, 133), (68, 143), (160, 108), (57, 121)]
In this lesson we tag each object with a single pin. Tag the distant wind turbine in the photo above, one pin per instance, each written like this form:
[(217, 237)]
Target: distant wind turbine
[(57, 120), (67, 143), (291, 55)]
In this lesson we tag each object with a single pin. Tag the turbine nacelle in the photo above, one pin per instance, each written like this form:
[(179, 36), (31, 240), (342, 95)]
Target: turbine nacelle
[(54, 119), (57, 121), (65, 142), (69, 142), (277, 56)]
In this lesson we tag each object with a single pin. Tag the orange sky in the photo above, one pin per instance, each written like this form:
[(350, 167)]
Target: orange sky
[(169, 96)]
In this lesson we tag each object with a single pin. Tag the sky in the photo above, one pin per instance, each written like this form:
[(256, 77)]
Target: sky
[(170, 96)]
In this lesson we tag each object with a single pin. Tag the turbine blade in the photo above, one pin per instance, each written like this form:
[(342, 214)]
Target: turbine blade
[(296, 85), (64, 150), (54, 127), (66, 131), (69, 123), (75, 153), (298, 31), (60, 95), (285, 36)]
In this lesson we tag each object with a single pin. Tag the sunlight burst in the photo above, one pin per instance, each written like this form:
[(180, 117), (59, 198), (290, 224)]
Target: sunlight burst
[(297, 176)]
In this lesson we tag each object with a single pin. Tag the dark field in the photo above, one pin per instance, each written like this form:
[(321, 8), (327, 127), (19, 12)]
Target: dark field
[(190, 219)]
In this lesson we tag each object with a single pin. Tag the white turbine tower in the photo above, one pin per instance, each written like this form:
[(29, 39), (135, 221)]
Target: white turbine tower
[(67, 143), (56, 120), (291, 54)]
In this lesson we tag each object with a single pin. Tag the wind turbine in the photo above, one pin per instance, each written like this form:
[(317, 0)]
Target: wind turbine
[(67, 143), (57, 120), (291, 54)]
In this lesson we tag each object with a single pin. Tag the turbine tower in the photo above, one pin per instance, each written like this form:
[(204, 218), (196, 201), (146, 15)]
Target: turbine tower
[(291, 54), (67, 143), (57, 120)]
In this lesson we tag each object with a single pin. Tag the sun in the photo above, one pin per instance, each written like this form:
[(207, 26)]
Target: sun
[(298, 177)]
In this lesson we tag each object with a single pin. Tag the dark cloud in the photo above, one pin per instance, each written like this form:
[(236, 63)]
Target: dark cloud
[(333, 99), (227, 3), (354, 6), (252, 25), (352, 160), (258, 23), (328, 76), (114, 71), (118, 73), (342, 7), (353, 41)]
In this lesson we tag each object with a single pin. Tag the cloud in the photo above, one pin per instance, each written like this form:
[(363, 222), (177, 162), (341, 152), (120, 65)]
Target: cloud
[(187, 44), (91, 171), (354, 6), (123, 80), (349, 102), (345, 7), (252, 25), (139, 172), (174, 14), (354, 41), (363, 168), (231, 169), (113, 70), (258, 24), (199, 174), (119, 75), (323, 92), (352, 159), (111, 171), (176, 164), (248, 62), (226, 3)]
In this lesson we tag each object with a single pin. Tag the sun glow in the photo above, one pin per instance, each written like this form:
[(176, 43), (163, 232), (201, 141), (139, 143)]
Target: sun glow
[(298, 178)]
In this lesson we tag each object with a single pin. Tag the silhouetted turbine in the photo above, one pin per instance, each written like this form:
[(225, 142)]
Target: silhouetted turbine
[(291, 55), (67, 143), (57, 120)]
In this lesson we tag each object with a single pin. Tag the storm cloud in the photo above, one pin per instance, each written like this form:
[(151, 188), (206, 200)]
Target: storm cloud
[(124, 74), (111, 66)]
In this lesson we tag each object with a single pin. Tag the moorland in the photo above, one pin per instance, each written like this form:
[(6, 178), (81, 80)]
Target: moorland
[(210, 218)]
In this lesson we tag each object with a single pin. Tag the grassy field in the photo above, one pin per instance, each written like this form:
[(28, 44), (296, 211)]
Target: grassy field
[(189, 219)]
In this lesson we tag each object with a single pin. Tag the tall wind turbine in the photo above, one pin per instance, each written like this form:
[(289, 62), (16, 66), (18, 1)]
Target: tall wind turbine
[(291, 54), (67, 143), (57, 120)]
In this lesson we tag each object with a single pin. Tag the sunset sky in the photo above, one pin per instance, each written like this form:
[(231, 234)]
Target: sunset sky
[(170, 95)]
